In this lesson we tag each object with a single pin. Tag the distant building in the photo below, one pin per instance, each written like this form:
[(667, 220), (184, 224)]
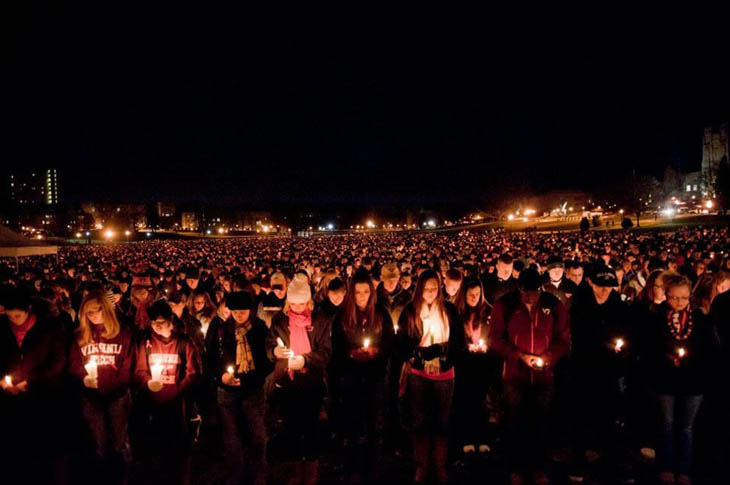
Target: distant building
[(715, 152), (34, 187), (190, 221), (165, 209)]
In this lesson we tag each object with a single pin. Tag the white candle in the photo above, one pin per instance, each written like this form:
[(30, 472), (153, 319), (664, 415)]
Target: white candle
[(279, 342), (619, 344), (366, 343), (156, 370), (92, 369), (395, 327), (8, 380), (230, 370)]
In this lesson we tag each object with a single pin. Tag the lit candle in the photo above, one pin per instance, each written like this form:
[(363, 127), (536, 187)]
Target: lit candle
[(619, 344), (279, 342), (482, 344), (8, 380), (230, 369), (204, 331), (156, 370), (366, 343), (539, 362), (395, 327), (91, 368), (681, 352)]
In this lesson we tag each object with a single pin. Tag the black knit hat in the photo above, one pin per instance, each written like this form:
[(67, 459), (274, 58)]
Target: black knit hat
[(239, 300)]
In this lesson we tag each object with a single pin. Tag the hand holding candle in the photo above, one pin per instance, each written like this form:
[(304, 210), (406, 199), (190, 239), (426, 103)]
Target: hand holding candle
[(92, 369), (281, 351), (156, 371), (618, 347)]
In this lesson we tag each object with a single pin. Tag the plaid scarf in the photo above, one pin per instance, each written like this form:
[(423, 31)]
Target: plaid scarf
[(244, 358)]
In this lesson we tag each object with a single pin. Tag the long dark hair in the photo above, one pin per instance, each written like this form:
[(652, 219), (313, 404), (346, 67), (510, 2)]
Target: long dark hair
[(349, 307), (425, 276), (461, 304)]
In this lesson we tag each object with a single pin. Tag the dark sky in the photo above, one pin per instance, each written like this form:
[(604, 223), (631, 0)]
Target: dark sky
[(213, 108)]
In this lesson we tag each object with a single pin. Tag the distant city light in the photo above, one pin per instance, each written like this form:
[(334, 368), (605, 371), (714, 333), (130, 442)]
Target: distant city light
[(149, 234), (78, 235), (109, 234), (127, 233), (432, 223), (330, 226), (511, 217), (370, 224), (669, 212), (708, 204)]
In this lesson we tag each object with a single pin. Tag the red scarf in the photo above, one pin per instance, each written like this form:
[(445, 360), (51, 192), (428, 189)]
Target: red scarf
[(21, 330)]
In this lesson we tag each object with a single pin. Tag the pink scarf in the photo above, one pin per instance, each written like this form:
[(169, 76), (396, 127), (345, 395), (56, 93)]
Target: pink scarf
[(298, 339)]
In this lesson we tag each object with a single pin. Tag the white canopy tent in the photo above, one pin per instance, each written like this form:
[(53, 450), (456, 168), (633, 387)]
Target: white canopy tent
[(13, 245)]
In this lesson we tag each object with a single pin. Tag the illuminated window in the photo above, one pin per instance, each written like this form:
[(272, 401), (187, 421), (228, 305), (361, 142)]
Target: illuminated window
[(689, 188)]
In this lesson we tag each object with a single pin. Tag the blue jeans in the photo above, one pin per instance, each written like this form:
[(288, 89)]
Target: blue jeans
[(244, 435), (678, 413), (430, 405)]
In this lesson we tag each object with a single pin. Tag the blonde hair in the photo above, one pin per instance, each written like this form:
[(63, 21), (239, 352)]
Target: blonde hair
[(111, 324), (310, 306)]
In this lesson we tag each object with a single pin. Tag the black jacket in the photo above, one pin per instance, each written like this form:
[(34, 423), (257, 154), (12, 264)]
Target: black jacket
[(221, 353), (315, 362), (698, 368), (594, 331), (410, 333), (345, 340)]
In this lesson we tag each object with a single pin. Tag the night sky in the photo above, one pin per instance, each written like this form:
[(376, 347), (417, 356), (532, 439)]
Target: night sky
[(215, 108)]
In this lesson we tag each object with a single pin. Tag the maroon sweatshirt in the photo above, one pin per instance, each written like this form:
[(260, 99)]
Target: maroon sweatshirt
[(180, 360), (114, 359)]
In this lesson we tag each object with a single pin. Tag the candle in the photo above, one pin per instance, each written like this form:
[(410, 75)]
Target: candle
[(156, 370), (681, 352), (482, 344), (366, 343), (619, 344), (92, 369), (539, 362), (230, 369), (279, 342), (8, 380), (395, 327)]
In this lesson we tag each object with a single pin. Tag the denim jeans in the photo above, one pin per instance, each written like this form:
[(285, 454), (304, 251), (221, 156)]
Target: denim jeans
[(430, 405), (678, 414), (244, 435), (108, 422), (527, 424)]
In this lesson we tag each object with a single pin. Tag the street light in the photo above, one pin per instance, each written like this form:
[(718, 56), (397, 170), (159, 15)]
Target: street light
[(109, 234)]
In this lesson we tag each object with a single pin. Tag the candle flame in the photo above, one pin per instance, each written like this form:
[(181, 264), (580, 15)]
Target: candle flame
[(481, 342), (539, 362), (8, 380), (619, 343), (366, 343), (230, 369), (681, 352)]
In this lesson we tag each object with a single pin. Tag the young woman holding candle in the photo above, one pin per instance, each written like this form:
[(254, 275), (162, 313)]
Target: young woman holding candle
[(300, 347), (33, 399), (679, 354), (362, 340), (477, 372), (101, 359), (430, 341), (167, 371), (236, 356)]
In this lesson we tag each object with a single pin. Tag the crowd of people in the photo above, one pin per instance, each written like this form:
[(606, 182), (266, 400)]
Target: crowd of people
[(440, 350)]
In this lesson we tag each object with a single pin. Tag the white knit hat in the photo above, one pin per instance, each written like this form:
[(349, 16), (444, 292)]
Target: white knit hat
[(299, 290)]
